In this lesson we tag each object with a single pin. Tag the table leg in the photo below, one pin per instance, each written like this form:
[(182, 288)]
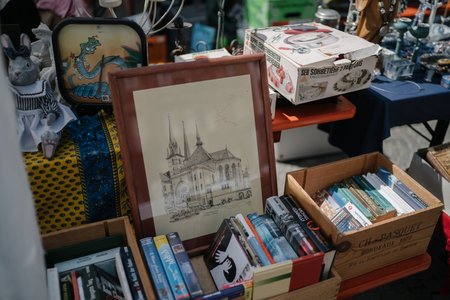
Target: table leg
[(439, 132)]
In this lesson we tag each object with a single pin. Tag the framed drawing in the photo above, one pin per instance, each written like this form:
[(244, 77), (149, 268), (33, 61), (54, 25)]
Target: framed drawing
[(86, 49), (196, 141)]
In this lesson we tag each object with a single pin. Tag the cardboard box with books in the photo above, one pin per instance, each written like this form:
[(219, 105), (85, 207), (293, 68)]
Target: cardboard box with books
[(91, 253), (430, 177), (382, 241), (311, 61)]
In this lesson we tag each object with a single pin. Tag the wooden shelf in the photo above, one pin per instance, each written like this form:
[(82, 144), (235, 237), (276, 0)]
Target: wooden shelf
[(317, 112), (363, 283)]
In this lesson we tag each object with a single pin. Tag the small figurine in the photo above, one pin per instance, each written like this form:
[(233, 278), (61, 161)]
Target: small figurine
[(40, 118)]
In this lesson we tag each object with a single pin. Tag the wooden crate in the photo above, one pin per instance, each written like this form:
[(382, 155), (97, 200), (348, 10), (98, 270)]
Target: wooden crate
[(376, 245), (117, 226), (324, 290)]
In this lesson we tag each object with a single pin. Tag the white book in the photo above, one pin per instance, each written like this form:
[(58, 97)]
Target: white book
[(357, 214), (54, 291), (123, 278), (393, 196), (80, 288), (83, 261)]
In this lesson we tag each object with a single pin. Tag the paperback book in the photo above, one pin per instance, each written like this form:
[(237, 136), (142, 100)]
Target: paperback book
[(156, 270), (131, 273), (173, 273), (187, 270), (272, 237)]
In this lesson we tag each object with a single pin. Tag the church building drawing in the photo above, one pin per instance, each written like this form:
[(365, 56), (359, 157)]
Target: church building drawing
[(200, 180)]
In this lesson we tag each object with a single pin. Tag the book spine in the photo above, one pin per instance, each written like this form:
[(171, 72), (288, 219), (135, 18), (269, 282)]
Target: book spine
[(400, 206), (400, 188), (187, 270), (303, 219), (132, 273), (228, 293), (258, 238), (123, 278), (75, 286), (372, 205), (291, 229), (80, 287), (88, 283), (240, 236), (53, 287), (372, 192), (66, 287), (252, 240), (170, 266), (357, 214), (156, 270), (338, 190), (273, 239)]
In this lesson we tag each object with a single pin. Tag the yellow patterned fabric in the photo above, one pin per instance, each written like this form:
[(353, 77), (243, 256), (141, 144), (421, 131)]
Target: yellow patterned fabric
[(59, 188)]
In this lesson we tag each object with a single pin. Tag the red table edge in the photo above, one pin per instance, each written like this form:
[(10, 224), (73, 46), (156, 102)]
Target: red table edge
[(311, 113), (382, 276)]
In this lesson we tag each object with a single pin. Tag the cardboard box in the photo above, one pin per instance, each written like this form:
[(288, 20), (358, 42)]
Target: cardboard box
[(376, 245), (264, 13), (307, 62), (117, 226), (428, 177)]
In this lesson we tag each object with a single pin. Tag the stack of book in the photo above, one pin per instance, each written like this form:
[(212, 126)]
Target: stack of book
[(439, 158), (108, 274), (171, 270), (362, 200), (283, 232)]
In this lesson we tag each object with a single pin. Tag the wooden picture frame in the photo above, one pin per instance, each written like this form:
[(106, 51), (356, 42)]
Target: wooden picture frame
[(86, 49), (218, 106)]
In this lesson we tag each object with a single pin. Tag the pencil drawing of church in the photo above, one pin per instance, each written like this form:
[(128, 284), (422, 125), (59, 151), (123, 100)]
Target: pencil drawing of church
[(200, 180)]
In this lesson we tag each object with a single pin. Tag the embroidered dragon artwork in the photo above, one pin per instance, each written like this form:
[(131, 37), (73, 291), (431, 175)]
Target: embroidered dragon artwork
[(83, 71)]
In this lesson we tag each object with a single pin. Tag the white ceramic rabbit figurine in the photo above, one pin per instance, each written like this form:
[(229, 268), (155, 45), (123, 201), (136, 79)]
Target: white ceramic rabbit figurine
[(39, 115)]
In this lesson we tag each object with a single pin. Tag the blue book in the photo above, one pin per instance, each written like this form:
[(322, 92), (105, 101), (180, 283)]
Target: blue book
[(339, 190), (228, 293), (173, 273), (272, 237), (185, 265), (154, 265)]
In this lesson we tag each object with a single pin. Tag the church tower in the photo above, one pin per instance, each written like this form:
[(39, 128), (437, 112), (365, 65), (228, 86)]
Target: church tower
[(174, 157)]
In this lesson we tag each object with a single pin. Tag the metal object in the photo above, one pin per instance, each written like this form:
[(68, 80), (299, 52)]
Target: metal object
[(329, 17), (351, 23)]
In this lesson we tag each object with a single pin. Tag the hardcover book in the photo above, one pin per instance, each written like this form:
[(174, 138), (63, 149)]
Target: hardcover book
[(242, 238), (226, 260), (439, 158), (253, 241), (272, 237), (260, 242), (313, 231), (187, 270), (293, 232), (171, 268), (156, 270)]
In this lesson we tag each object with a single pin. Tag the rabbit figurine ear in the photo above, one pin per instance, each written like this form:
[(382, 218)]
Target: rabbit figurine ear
[(25, 41), (7, 45)]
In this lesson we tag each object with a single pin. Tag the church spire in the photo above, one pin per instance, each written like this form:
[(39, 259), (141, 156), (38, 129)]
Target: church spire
[(187, 152), (199, 141), (173, 145)]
